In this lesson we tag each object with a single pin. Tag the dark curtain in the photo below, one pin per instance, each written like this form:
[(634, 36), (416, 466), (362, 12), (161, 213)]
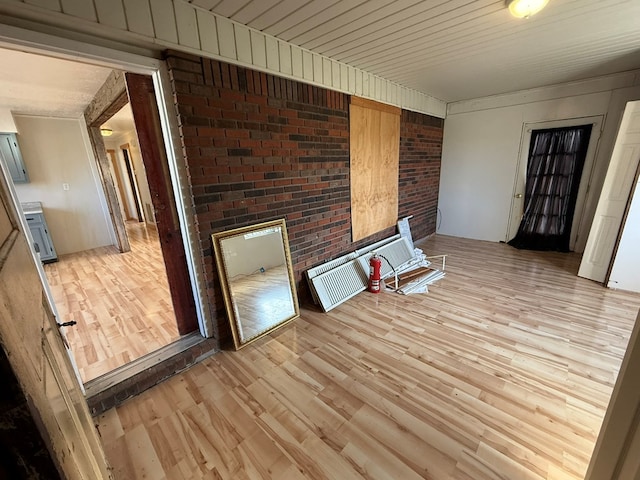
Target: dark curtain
[(554, 169)]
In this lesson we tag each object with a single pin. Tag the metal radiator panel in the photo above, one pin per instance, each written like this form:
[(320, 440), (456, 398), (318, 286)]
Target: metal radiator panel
[(338, 280), (339, 284)]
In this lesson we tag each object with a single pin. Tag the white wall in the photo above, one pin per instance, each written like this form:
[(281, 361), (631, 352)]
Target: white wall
[(247, 256), (482, 144), (55, 152)]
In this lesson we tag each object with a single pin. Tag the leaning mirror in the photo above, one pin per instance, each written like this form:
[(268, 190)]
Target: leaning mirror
[(256, 276)]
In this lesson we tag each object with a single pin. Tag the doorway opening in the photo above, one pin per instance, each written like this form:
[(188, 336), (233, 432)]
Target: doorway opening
[(578, 226), (554, 170), (124, 275)]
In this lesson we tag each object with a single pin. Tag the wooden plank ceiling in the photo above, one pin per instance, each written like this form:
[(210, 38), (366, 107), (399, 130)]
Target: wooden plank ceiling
[(454, 49)]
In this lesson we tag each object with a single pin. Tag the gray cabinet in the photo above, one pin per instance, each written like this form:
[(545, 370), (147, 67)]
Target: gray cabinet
[(42, 242), (11, 155)]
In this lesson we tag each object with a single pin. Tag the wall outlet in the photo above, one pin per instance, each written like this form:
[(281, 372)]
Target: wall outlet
[(65, 186)]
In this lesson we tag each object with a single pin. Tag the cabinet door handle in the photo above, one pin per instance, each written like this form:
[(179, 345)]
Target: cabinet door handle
[(36, 247)]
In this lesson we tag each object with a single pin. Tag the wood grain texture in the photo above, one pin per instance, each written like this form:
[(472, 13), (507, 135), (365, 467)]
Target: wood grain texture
[(374, 142), (121, 302), (503, 371), (147, 120)]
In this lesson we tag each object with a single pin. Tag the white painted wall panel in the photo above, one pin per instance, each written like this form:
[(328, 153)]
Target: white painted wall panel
[(296, 62), (317, 68), (258, 49), (139, 18), (164, 19), (326, 71), (226, 38), (55, 153), (284, 51), (187, 25), (208, 32), (243, 45), (307, 65), (359, 81), (273, 54), (351, 74), (367, 89), (480, 152), (111, 13), (335, 75), (344, 77)]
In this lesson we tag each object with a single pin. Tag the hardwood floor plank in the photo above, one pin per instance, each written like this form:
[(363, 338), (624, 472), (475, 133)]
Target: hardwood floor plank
[(121, 302), (503, 371)]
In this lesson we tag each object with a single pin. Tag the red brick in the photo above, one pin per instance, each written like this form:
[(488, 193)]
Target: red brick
[(254, 116)]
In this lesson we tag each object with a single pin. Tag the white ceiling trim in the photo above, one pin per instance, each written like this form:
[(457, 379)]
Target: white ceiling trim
[(265, 52), (183, 26)]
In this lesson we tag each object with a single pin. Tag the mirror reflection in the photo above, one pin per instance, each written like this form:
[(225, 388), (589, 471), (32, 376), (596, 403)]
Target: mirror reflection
[(257, 279)]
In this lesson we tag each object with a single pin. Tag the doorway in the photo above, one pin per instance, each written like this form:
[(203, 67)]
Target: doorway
[(554, 169), (614, 208), (580, 224), (60, 213)]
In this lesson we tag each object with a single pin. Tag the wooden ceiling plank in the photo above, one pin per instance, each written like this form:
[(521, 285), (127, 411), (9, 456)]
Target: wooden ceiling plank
[(252, 10), (227, 8), (206, 4), (374, 21), (309, 10), (277, 13), (328, 16)]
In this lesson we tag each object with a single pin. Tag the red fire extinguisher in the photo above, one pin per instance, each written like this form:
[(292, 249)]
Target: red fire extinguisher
[(375, 265)]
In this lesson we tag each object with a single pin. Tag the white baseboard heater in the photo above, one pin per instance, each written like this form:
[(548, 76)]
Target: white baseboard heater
[(338, 280)]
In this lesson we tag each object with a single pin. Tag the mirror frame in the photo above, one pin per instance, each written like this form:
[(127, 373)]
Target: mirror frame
[(217, 239)]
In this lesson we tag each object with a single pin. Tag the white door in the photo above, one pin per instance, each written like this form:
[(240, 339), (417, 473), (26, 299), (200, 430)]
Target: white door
[(31, 337), (578, 237), (614, 197), (626, 263)]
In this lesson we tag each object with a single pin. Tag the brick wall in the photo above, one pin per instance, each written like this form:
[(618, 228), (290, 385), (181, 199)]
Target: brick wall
[(260, 147), (420, 153)]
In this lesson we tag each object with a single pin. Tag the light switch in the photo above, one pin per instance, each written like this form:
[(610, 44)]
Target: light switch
[(65, 186)]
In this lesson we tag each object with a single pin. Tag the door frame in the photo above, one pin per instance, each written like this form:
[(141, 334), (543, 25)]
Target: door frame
[(133, 180), (118, 180), (74, 50), (579, 231)]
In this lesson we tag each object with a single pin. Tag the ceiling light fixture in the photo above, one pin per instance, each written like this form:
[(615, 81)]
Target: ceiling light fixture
[(106, 132), (525, 8)]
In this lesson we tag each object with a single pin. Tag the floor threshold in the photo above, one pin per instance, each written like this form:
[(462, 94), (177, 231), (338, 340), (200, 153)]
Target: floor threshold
[(113, 388)]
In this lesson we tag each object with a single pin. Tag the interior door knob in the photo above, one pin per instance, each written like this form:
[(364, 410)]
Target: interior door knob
[(518, 195)]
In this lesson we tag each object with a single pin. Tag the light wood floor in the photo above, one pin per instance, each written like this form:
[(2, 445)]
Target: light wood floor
[(502, 371), (261, 300), (121, 302)]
